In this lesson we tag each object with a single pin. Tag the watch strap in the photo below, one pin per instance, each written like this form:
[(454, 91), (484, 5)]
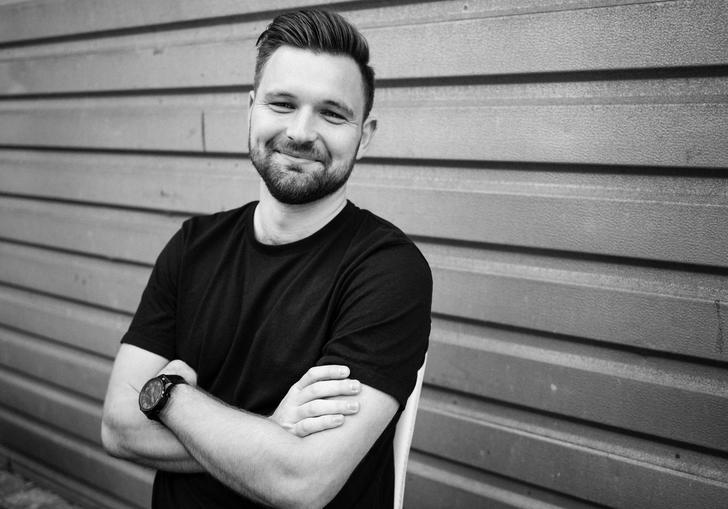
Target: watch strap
[(168, 381)]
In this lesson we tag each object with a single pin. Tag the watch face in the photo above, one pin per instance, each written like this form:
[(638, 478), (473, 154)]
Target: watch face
[(151, 393)]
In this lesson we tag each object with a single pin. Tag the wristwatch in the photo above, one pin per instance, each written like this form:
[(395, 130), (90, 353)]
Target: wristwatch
[(155, 394)]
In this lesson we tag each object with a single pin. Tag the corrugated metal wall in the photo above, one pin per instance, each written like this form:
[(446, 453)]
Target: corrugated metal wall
[(561, 163)]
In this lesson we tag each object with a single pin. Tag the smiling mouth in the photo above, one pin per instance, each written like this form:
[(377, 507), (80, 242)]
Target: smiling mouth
[(298, 159)]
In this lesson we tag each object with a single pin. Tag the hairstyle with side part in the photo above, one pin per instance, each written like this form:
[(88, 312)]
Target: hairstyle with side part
[(318, 31)]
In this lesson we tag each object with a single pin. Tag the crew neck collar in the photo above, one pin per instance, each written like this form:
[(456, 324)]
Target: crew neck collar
[(302, 244)]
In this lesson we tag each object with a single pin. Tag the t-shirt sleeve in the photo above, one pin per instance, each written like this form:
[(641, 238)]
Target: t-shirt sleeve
[(153, 327), (383, 326)]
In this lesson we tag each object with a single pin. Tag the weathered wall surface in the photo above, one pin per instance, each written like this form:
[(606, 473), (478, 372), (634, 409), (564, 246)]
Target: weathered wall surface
[(561, 163)]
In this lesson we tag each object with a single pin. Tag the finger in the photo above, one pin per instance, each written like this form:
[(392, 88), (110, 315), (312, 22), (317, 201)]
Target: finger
[(320, 407), (328, 389), (318, 373), (315, 424)]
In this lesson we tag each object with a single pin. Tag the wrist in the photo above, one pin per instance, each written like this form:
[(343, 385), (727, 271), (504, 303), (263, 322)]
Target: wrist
[(177, 394), (156, 393)]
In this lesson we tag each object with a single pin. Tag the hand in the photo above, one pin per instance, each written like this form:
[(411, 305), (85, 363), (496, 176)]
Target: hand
[(307, 407), (181, 368)]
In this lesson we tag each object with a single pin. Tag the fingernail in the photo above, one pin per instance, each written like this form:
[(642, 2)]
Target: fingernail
[(343, 371), (355, 386), (338, 419), (353, 406)]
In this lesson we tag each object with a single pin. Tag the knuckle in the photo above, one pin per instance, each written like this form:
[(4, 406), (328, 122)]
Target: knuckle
[(316, 408), (303, 427), (316, 373), (317, 390), (174, 364), (332, 372), (334, 420)]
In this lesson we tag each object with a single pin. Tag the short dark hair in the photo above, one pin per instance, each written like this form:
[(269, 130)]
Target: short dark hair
[(319, 31)]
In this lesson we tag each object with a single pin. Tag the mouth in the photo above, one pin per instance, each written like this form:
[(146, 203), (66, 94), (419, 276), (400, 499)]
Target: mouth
[(297, 158)]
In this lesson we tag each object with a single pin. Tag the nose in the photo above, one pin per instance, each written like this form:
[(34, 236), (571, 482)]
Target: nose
[(301, 127)]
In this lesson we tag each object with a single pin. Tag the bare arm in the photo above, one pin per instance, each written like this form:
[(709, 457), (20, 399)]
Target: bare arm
[(125, 430), (309, 407), (259, 459)]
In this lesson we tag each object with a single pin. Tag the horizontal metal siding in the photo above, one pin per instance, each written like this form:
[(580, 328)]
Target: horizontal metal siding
[(561, 165), (650, 123)]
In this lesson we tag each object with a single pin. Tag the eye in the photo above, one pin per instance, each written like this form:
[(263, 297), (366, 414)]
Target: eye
[(281, 107), (333, 117)]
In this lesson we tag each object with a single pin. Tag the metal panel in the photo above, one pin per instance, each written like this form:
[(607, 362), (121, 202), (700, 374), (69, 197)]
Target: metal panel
[(434, 483), (87, 328), (76, 458), (63, 366), (568, 457), (623, 389), (653, 309), (582, 211), (678, 122), (43, 403), (165, 183), (525, 37), (35, 19), (92, 230), (96, 282)]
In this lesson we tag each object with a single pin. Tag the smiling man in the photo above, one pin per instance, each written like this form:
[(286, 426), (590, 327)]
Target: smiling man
[(307, 124), (275, 345)]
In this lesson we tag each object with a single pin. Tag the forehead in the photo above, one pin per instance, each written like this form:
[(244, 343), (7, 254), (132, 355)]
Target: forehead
[(311, 76)]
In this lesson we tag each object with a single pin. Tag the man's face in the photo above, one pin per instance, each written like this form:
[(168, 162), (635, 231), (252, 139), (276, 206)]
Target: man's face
[(306, 125)]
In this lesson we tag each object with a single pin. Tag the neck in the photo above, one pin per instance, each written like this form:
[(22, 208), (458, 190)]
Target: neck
[(281, 223)]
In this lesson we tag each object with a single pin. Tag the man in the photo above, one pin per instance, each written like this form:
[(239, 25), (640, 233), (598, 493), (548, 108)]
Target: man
[(276, 344)]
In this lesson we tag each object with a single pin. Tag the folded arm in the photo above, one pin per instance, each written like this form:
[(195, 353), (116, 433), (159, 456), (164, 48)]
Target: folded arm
[(315, 403), (259, 459), (125, 430)]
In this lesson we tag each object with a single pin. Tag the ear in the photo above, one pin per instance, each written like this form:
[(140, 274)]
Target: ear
[(251, 100), (367, 133)]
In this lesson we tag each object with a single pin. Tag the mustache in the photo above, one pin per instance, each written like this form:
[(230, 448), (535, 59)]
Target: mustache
[(303, 150)]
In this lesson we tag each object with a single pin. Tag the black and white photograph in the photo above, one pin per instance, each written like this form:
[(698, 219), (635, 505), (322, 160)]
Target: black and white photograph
[(364, 254)]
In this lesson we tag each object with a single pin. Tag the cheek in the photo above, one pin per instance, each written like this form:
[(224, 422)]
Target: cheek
[(341, 143), (263, 127)]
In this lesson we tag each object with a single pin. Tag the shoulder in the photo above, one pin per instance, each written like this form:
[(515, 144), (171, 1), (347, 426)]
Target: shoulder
[(200, 225), (380, 249), (210, 230), (205, 233), (378, 237)]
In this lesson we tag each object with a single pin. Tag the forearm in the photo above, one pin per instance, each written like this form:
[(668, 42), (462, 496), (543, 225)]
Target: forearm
[(248, 453), (130, 435)]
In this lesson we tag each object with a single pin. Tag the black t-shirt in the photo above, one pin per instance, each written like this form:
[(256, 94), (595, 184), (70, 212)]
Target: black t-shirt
[(251, 319)]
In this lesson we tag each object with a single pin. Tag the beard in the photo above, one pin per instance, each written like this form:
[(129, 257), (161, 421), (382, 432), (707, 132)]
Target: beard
[(294, 184)]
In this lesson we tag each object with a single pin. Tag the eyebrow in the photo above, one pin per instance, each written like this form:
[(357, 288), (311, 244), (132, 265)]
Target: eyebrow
[(329, 102)]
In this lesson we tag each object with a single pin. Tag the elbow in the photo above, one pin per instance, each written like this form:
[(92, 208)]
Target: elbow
[(309, 490), (109, 439), (300, 499), (112, 438)]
